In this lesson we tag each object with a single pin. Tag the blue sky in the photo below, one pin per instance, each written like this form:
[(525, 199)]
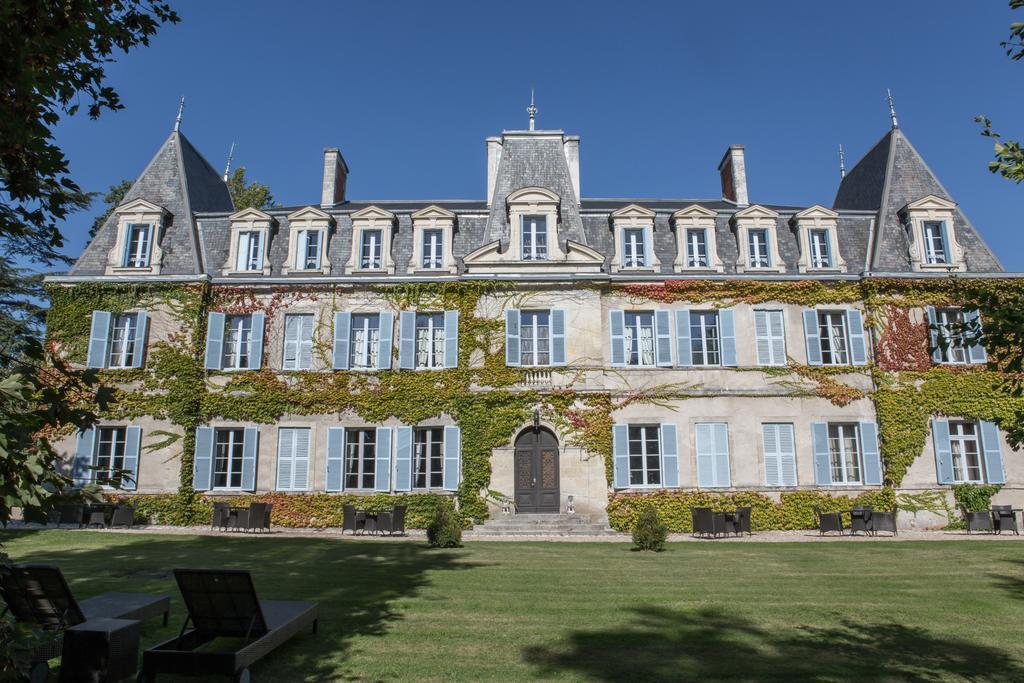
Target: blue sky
[(657, 91)]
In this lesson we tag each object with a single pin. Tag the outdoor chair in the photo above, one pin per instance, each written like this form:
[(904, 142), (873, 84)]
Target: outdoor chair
[(97, 517), (384, 521), (860, 519), (883, 521), (351, 520), (38, 595), (224, 604), (707, 523), (828, 521), (1004, 519), (124, 515), (398, 519), (741, 521), (977, 521), (258, 517), (71, 514), (221, 516)]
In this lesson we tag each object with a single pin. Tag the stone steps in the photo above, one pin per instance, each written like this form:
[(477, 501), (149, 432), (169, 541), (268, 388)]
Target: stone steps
[(544, 525)]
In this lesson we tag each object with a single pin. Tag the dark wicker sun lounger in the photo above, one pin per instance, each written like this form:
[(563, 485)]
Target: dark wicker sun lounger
[(223, 604), (39, 595)]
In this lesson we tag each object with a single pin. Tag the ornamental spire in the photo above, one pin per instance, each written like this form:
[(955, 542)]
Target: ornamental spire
[(892, 109), (842, 162), (181, 110), (227, 167), (532, 110)]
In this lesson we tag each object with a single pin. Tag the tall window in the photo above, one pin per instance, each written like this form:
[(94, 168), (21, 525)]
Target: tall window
[(122, 340), (298, 342), (935, 250), (428, 458), (535, 338), (360, 458), (634, 255), (365, 338), (237, 337), (229, 449), (639, 338), (950, 322), (757, 248), (249, 255), (370, 250), (309, 250), (535, 238), (433, 243), (137, 245), (835, 346), (844, 453), (963, 445), (821, 254), (697, 248), (429, 340), (704, 340), (644, 456), (110, 453)]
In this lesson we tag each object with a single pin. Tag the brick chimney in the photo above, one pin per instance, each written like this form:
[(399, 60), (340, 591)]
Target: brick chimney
[(335, 175), (733, 170)]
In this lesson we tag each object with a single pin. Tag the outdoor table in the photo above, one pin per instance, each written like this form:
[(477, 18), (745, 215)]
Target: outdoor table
[(98, 513), (370, 519), (100, 649), (237, 517)]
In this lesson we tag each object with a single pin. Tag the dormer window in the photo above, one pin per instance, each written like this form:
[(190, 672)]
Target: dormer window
[(697, 248), (372, 230), (695, 240), (249, 251), (633, 228), (433, 246), (137, 249), (932, 238), (758, 249), (308, 231), (433, 234), (821, 253), (370, 251), (250, 236), (816, 233), (309, 249), (756, 236), (535, 238), (634, 254)]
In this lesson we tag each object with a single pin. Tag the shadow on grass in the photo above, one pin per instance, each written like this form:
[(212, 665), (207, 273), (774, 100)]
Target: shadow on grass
[(664, 644), (356, 583)]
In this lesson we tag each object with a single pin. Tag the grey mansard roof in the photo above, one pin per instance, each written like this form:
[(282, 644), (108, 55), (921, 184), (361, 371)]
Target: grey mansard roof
[(196, 238)]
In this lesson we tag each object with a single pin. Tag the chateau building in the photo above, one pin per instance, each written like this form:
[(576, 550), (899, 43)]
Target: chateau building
[(536, 350)]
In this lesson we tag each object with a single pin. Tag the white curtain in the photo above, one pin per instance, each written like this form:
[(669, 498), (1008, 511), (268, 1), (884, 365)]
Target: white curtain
[(422, 347), (647, 345)]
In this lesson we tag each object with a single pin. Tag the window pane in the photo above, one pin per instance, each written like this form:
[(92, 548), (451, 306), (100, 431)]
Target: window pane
[(432, 244), (634, 256), (696, 249), (534, 238), (757, 241), (704, 340), (364, 337), (639, 338), (371, 249), (430, 340)]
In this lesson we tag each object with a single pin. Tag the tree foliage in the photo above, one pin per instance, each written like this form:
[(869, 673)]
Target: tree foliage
[(252, 195), (1009, 155), (113, 197)]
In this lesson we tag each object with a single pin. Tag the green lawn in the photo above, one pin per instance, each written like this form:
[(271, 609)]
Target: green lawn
[(597, 611)]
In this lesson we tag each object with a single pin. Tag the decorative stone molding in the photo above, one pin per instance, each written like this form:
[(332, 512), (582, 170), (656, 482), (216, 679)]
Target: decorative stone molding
[(753, 218), (930, 209), (308, 218), (695, 217), (248, 220), (433, 218), (817, 217), (634, 216), (137, 212), (372, 218)]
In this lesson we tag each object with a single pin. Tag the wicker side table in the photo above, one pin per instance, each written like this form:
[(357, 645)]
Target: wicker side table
[(99, 650)]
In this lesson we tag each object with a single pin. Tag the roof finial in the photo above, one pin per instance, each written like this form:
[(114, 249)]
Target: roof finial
[(532, 110), (892, 109), (227, 167), (842, 162), (181, 110)]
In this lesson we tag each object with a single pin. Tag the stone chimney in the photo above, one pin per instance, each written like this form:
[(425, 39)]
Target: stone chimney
[(493, 158), (571, 147), (733, 170), (335, 175)]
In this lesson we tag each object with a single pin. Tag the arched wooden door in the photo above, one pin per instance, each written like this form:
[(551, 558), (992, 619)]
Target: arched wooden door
[(536, 463)]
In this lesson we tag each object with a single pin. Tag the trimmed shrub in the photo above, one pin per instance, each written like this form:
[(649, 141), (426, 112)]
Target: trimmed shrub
[(649, 533), (445, 529)]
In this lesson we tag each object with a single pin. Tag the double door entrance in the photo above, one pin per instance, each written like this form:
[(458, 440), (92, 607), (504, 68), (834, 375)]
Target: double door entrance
[(536, 467)]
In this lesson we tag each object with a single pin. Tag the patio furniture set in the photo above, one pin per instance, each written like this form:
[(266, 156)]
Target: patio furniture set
[(104, 515), (997, 519), (371, 521), (863, 519), (708, 523), (255, 517), (98, 639)]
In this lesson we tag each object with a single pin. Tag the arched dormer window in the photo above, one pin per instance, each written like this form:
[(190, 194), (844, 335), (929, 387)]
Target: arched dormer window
[(372, 232), (433, 236), (308, 230), (533, 219), (757, 240), (696, 246), (139, 230), (633, 229), (249, 243), (933, 242), (817, 234)]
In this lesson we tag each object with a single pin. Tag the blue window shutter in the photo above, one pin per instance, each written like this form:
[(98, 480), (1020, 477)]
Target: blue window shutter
[(727, 330), (335, 458), (451, 339), (648, 253), (250, 451), (214, 343), (256, 341), (85, 448), (772, 454), (870, 454), (407, 340), (385, 338), (452, 457), (762, 336), (976, 352), (132, 446), (558, 337), (300, 467), (512, 350), (705, 442), (620, 453), (99, 338), (946, 250), (858, 339), (812, 337), (822, 462), (787, 453), (617, 326), (382, 466), (669, 456), (306, 343), (202, 464), (684, 352), (285, 458), (139, 347), (943, 452), (993, 453), (663, 338), (342, 326), (933, 334), (292, 331), (722, 475), (403, 458)]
